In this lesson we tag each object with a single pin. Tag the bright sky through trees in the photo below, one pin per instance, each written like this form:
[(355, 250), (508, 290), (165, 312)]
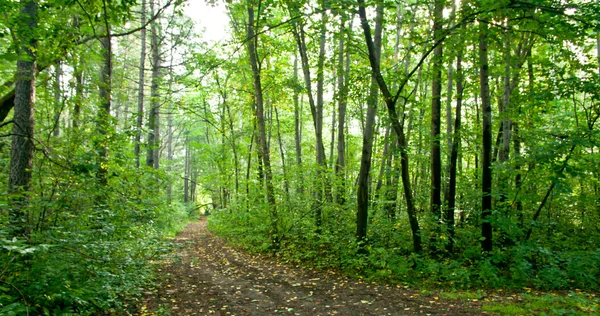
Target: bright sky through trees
[(211, 20)]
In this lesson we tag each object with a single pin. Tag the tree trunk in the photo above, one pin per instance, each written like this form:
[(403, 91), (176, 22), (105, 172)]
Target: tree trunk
[(186, 173), (486, 184), (343, 77), (21, 153), (367, 144), (315, 108), (57, 97), (140, 109), (436, 105), (152, 151), (105, 93), (398, 128), (281, 151), (450, 200), (298, 129), (170, 125), (264, 150)]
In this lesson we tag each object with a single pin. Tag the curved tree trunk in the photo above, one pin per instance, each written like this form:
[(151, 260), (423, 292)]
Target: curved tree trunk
[(398, 128), (362, 213)]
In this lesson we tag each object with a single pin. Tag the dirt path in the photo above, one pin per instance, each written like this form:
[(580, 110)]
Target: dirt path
[(213, 278)]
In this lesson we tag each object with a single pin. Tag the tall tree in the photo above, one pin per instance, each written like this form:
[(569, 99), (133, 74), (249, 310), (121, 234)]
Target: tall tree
[(367, 144), (486, 184), (22, 147), (141, 77), (450, 198), (298, 127), (57, 97), (436, 106), (316, 108), (152, 150), (342, 81), (105, 92), (398, 127), (260, 118)]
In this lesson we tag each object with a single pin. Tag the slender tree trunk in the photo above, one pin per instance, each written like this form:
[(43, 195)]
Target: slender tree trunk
[(298, 129), (367, 145), (323, 184), (548, 192), (170, 124), (140, 109), (486, 184), (316, 108), (78, 73), (57, 97), (343, 77), (449, 91), (266, 159), (21, 152), (333, 125), (233, 148), (398, 128), (281, 151), (450, 200), (105, 93), (152, 152), (436, 106), (186, 174)]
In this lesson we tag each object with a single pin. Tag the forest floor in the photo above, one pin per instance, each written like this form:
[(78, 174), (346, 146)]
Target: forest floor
[(210, 277)]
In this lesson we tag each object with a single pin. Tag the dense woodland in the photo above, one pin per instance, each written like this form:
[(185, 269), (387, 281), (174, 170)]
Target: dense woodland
[(442, 143)]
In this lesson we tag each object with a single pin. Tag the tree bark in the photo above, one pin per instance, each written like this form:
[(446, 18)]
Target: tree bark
[(152, 151), (398, 128), (140, 108), (298, 129), (316, 108), (57, 97), (282, 153), (450, 200), (436, 105), (186, 172), (22, 147), (486, 184), (264, 150), (363, 194), (343, 77), (105, 93)]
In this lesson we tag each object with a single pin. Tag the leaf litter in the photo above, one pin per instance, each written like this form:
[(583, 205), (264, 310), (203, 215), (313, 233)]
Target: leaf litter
[(209, 277)]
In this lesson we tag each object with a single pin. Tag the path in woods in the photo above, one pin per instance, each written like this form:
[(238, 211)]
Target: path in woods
[(214, 278)]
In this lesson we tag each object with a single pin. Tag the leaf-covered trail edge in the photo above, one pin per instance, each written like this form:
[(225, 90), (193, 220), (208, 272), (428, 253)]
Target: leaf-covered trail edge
[(210, 277)]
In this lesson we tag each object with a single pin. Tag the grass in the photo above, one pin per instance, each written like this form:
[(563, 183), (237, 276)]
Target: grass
[(573, 303)]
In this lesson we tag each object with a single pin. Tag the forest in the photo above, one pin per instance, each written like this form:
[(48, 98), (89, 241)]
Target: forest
[(445, 144)]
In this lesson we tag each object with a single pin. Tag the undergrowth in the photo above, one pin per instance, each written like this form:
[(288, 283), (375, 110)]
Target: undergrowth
[(559, 264), (94, 251)]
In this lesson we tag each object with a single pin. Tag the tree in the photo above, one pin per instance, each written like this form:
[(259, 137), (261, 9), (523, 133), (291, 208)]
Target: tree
[(486, 186), (316, 108), (141, 77), (367, 145), (260, 118), (152, 150), (22, 146), (398, 128)]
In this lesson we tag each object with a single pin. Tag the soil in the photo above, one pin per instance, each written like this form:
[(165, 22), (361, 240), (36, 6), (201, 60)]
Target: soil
[(210, 277)]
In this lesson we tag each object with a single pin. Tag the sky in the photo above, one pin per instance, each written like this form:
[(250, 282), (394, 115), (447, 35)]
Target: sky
[(211, 20)]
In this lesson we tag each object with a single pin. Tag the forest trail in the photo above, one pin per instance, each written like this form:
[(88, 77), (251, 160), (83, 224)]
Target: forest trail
[(211, 278)]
